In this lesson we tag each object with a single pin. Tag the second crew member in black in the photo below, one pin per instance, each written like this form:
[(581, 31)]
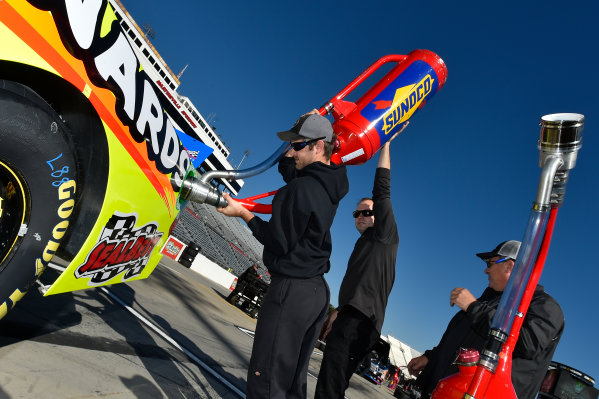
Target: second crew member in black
[(354, 328)]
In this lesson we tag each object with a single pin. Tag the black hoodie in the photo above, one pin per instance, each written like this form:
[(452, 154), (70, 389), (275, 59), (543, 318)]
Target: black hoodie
[(297, 238)]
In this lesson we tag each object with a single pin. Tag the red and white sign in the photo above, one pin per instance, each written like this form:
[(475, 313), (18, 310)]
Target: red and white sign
[(172, 248)]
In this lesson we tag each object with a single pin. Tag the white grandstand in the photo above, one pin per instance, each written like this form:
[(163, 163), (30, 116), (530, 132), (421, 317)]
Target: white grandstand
[(223, 240)]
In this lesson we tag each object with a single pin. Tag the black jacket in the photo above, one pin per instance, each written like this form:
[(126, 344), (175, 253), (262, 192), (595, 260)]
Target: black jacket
[(297, 238), (371, 267), (539, 336)]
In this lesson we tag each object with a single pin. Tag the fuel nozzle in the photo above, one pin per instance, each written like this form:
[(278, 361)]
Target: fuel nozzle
[(196, 190), (559, 142)]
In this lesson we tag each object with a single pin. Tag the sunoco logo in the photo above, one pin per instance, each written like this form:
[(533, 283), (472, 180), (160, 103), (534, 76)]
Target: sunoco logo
[(121, 248), (405, 102)]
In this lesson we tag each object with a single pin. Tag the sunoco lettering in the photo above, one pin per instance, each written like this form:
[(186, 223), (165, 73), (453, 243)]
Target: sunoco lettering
[(66, 192), (112, 64), (401, 111)]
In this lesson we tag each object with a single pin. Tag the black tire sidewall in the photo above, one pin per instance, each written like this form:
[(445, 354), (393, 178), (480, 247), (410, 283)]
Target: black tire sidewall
[(32, 135)]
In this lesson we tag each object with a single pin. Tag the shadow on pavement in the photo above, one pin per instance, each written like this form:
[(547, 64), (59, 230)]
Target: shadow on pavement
[(51, 320), (190, 301)]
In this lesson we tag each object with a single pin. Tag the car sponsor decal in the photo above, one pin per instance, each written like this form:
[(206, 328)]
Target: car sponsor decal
[(122, 248)]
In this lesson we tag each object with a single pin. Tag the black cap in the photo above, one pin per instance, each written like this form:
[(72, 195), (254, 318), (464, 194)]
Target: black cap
[(507, 249), (310, 126)]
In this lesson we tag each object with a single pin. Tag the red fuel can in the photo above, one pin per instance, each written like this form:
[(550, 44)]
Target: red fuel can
[(364, 126), (454, 386)]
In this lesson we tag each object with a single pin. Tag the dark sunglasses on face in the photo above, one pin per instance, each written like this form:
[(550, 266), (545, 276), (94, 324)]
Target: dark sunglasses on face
[(364, 212), (492, 262), (299, 146)]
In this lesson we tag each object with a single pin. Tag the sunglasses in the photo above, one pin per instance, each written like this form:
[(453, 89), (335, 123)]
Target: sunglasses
[(492, 262), (364, 212), (299, 146)]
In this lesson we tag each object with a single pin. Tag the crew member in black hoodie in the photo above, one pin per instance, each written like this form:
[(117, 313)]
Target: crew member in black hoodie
[(297, 247), (356, 324), (540, 333)]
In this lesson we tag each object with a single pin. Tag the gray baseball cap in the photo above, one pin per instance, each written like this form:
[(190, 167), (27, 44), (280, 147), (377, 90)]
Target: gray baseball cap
[(309, 127), (507, 248)]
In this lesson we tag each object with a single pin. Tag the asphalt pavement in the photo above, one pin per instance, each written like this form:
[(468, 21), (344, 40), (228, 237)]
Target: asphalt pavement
[(172, 335)]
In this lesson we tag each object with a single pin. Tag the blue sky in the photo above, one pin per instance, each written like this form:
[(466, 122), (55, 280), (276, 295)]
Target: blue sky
[(464, 173)]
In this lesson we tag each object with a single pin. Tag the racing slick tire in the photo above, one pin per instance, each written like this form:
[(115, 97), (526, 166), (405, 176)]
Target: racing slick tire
[(37, 189)]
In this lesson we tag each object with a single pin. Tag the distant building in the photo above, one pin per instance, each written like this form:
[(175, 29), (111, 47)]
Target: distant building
[(400, 354), (182, 113)]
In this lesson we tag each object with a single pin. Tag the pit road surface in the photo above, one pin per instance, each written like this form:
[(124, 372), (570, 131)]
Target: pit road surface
[(88, 345)]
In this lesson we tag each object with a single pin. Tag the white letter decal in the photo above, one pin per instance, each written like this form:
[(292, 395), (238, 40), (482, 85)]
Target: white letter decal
[(151, 116), (119, 62), (82, 17), (184, 164), (171, 140)]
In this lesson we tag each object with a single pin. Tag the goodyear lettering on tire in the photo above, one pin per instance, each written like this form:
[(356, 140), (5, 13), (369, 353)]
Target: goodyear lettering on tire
[(66, 194)]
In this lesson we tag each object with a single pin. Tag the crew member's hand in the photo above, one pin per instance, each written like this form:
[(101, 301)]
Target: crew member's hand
[(417, 364), (328, 325), (461, 297), (235, 209), (400, 130), (313, 112)]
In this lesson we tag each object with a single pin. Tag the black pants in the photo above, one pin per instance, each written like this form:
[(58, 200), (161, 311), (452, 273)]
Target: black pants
[(351, 338), (288, 325)]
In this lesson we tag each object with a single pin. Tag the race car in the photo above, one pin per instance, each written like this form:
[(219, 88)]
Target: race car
[(90, 159)]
